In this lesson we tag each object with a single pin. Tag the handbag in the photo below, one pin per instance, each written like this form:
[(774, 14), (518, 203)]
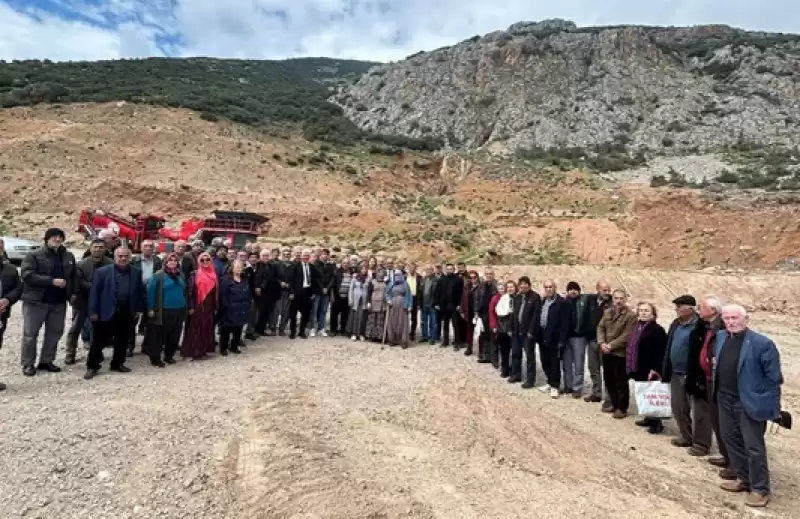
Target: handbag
[(653, 399)]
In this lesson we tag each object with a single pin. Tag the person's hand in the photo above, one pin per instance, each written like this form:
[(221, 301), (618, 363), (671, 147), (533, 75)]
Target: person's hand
[(324, 291), (369, 306), (436, 308), (60, 283), (258, 291), (191, 312), (291, 296), (494, 330), (151, 314), (653, 375), (458, 308), (284, 284), (94, 317), (4, 304), (605, 348), (73, 299), (137, 315)]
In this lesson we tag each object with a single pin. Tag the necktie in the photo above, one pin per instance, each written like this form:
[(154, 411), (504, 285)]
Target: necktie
[(305, 275)]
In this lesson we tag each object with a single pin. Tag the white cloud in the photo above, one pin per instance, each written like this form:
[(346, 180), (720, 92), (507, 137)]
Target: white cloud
[(365, 29)]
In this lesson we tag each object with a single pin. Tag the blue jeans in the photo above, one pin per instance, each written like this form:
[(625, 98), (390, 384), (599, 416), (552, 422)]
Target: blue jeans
[(430, 323), (319, 312)]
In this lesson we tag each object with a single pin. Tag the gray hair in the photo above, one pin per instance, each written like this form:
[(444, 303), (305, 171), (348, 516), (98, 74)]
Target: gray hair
[(712, 302), (735, 309)]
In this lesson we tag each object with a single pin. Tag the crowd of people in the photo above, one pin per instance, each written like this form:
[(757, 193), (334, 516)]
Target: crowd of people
[(724, 378)]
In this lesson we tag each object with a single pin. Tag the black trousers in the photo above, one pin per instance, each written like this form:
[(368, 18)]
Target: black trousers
[(340, 311), (504, 347), (266, 305), (414, 318), (3, 325), (300, 304), (164, 338), (119, 327), (230, 338), (451, 316), (551, 363), (616, 380)]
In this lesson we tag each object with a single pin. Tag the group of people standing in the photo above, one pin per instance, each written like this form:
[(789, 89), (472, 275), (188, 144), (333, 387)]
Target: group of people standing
[(725, 379)]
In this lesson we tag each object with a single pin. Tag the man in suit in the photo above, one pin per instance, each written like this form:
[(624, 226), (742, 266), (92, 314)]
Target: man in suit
[(452, 287), (523, 325), (115, 301), (285, 267), (747, 387), (320, 307), (552, 332), (266, 289), (305, 286), (416, 284), (148, 263)]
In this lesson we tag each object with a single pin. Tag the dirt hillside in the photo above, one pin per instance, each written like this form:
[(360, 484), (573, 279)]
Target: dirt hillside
[(55, 160)]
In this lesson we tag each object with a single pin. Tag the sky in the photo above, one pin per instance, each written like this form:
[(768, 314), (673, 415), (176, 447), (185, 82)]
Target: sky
[(376, 30)]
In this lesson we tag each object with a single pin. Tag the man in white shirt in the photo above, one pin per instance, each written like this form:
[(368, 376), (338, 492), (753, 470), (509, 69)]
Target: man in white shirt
[(304, 288), (148, 263)]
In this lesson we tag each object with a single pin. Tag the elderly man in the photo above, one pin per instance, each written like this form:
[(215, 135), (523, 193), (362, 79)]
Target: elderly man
[(148, 263), (415, 281), (80, 308), (285, 277), (488, 290), (699, 376), (551, 329), (111, 240), (429, 301), (694, 428), (597, 304), (340, 291), (48, 277), (305, 287), (747, 385), (319, 311), (612, 337), (116, 299), (266, 289), (10, 292)]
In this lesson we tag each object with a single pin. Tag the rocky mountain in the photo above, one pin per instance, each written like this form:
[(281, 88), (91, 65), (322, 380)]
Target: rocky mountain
[(554, 86)]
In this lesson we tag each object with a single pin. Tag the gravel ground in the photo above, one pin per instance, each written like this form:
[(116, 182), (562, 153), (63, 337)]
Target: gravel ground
[(331, 428)]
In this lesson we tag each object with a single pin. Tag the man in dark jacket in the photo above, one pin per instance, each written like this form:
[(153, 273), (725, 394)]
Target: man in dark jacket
[(48, 277), (305, 287), (694, 428), (452, 286), (147, 263), (523, 327), (429, 297), (597, 304), (579, 332), (285, 279), (487, 289), (80, 309), (266, 289), (10, 292), (326, 271), (340, 291), (116, 298), (551, 332)]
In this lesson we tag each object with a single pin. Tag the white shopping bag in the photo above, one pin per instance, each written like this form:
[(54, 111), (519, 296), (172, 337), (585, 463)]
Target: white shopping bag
[(477, 329), (653, 399)]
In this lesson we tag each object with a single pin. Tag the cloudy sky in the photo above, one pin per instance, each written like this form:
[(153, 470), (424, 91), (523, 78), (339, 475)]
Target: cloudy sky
[(380, 30)]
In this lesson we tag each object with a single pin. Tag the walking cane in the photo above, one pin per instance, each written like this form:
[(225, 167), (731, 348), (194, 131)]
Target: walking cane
[(385, 326)]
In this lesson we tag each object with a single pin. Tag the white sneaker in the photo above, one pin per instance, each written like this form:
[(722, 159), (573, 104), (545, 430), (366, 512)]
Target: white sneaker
[(323, 333), (545, 388), (353, 338), (312, 333), (553, 393)]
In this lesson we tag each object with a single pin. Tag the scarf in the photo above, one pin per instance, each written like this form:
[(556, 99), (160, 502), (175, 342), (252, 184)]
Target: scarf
[(503, 307), (205, 279), (632, 352), (172, 272)]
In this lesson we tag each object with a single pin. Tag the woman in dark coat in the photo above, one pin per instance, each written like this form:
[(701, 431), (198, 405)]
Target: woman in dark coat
[(235, 300), (645, 353), (198, 341)]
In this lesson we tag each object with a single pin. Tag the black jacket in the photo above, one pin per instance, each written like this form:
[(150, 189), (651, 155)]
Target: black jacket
[(580, 319), (696, 383), (488, 290), (696, 335), (652, 345), (84, 275), (326, 274), (436, 292), (267, 278), (285, 271), (36, 272), (296, 285), (188, 263), (556, 330), (594, 312), (11, 284), (451, 289), (527, 325)]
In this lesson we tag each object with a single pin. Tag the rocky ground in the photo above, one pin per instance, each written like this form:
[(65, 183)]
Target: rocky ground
[(331, 428)]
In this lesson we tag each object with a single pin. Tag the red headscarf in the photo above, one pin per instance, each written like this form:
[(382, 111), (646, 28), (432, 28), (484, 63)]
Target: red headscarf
[(206, 277)]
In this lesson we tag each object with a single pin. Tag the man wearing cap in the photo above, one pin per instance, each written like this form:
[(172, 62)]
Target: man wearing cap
[(682, 334), (579, 333), (48, 278)]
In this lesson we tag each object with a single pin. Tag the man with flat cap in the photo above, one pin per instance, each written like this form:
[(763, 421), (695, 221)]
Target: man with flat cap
[(695, 432), (48, 282)]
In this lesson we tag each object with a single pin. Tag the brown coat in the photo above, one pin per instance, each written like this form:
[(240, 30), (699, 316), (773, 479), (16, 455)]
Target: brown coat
[(615, 328)]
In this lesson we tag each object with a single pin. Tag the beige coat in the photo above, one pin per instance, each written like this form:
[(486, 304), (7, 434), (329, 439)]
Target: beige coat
[(615, 328)]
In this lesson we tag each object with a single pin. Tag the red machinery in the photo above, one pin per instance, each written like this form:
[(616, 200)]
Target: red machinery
[(239, 227)]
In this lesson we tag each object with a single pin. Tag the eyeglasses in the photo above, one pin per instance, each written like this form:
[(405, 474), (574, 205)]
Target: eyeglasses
[(205, 261)]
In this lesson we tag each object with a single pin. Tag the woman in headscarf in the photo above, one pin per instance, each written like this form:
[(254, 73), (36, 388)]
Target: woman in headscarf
[(167, 300), (203, 298), (376, 307), (236, 298), (400, 300), (500, 310), (647, 345), (357, 302)]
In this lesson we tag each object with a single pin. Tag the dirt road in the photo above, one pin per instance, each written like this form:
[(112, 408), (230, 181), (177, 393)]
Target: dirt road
[(331, 428)]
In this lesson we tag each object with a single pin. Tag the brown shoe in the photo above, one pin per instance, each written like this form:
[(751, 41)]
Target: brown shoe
[(576, 395), (592, 398), (619, 415), (727, 474), (680, 442), (697, 451), (734, 486), (718, 461), (607, 409), (756, 500)]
